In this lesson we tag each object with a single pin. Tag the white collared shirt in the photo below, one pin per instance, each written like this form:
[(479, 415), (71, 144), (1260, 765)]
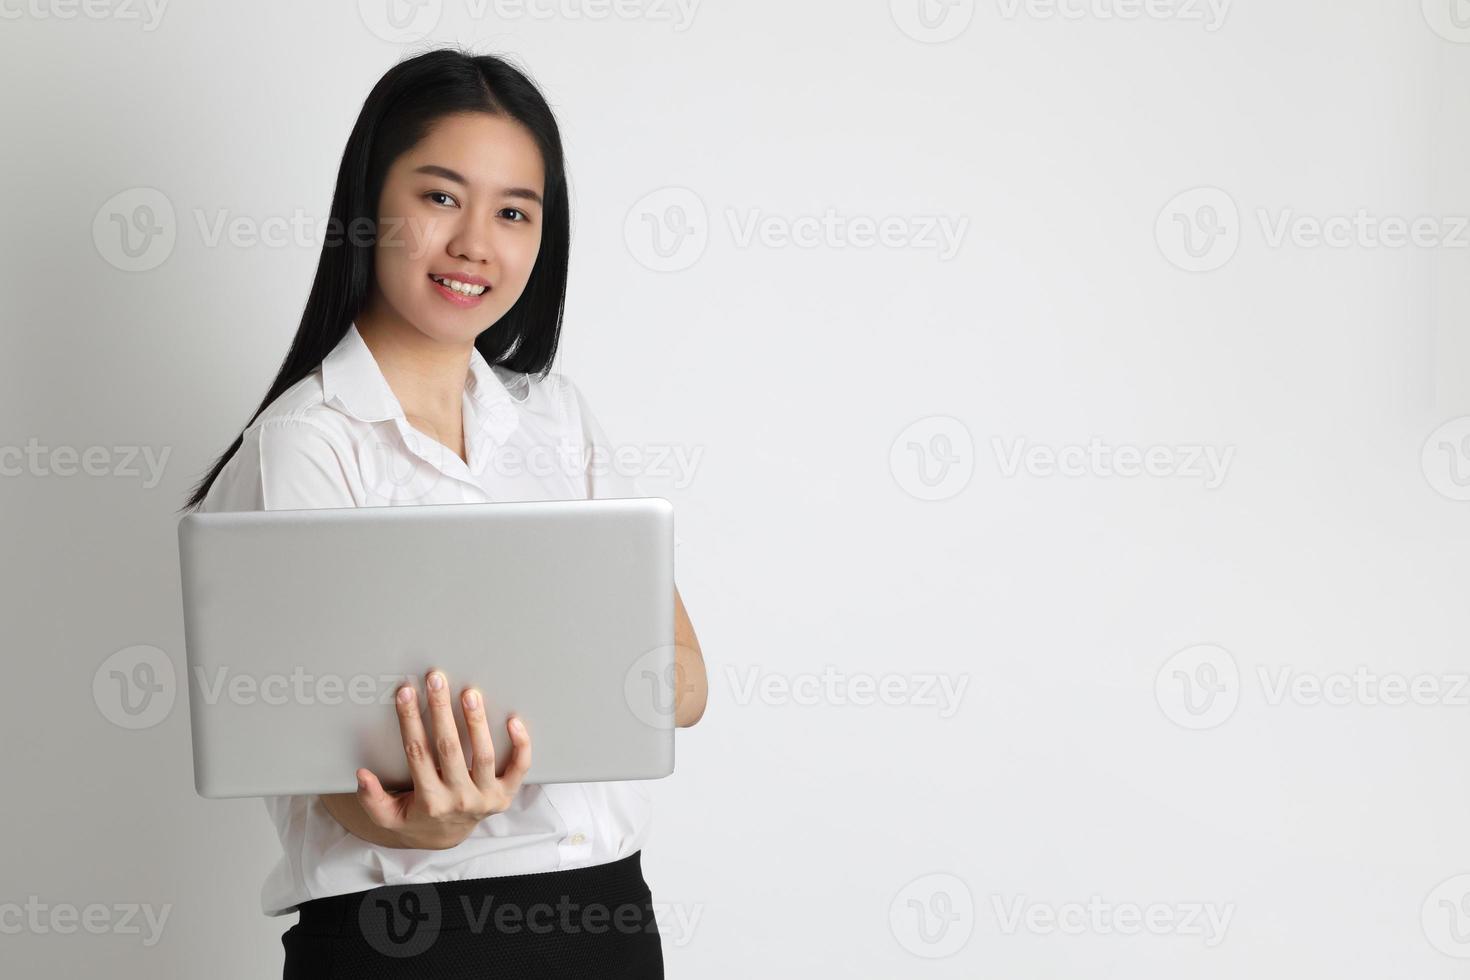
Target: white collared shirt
[(339, 438)]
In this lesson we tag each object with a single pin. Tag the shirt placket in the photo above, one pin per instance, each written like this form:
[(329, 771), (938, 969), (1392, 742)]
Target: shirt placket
[(575, 810), (485, 435), (441, 459)]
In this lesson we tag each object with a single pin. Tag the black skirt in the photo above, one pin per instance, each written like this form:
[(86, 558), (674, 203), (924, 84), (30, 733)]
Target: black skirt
[(586, 922)]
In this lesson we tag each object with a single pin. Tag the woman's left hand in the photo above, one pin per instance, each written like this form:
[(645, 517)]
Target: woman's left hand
[(448, 800)]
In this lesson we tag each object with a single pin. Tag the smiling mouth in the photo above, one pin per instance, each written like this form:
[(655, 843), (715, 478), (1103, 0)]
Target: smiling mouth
[(463, 288)]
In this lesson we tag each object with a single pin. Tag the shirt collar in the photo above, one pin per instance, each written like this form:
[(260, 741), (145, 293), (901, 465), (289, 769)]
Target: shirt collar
[(351, 378)]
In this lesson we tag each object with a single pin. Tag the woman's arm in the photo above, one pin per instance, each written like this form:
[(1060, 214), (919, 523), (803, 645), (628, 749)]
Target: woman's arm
[(693, 687), (346, 810)]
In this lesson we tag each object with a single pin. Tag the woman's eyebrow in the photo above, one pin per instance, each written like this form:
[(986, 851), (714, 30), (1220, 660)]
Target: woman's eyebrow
[(435, 170)]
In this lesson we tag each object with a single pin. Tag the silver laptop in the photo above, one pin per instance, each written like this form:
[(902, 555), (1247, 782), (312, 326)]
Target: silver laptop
[(300, 625)]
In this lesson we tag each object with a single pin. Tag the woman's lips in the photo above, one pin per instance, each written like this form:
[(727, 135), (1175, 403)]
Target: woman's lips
[(457, 298)]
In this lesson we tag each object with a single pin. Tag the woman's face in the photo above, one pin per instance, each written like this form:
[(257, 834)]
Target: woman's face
[(463, 205)]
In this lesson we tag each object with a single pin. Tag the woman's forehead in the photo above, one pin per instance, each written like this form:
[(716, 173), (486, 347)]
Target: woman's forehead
[(487, 151)]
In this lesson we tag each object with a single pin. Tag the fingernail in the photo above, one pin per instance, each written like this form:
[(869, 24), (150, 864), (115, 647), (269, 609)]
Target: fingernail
[(436, 681), (472, 699), (520, 729), (405, 694)]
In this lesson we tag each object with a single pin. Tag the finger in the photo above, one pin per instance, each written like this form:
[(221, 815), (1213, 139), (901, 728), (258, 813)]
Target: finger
[(481, 744), (415, 742), (446, 735), (520, 758), (380, 805)]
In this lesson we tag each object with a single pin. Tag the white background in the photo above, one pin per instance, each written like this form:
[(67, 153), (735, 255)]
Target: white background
[(855, 840)]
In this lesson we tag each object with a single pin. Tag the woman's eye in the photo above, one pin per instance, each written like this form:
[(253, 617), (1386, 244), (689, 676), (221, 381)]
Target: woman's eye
[(433, 194), (523, 215)]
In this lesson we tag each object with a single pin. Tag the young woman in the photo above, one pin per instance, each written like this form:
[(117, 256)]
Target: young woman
[(421, 374)]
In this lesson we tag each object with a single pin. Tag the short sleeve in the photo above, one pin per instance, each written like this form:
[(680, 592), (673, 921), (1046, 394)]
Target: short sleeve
[(302, 467), (283, 464), (609, 473)]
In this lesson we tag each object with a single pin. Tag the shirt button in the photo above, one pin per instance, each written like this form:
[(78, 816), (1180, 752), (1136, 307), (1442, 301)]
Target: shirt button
[(577, 839)]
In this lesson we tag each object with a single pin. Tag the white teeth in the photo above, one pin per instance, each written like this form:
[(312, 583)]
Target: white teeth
[(459, 287)]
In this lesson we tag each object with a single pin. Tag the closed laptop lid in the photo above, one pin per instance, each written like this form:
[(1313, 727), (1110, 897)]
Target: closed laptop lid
[(300, 625)]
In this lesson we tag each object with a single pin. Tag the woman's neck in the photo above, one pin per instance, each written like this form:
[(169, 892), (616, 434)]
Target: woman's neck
[(427, 376)]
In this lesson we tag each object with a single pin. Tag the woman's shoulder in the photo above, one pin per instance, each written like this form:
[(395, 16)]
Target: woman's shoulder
[(303, 402), (552, 397), (296, 433)]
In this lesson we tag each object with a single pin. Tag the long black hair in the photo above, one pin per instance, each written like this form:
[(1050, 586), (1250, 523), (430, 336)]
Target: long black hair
[(398, 113)]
